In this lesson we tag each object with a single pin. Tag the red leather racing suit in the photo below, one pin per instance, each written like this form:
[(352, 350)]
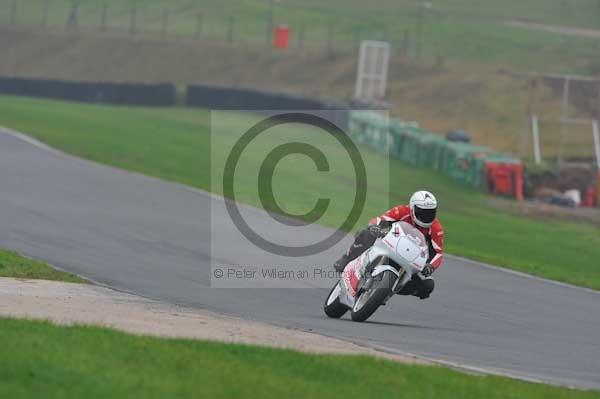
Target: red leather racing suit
[(433, 234)]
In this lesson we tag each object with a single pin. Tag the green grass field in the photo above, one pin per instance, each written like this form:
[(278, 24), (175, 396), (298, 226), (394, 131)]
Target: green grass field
[(14, 265), (43, 360), (174, 144), (460, 30)]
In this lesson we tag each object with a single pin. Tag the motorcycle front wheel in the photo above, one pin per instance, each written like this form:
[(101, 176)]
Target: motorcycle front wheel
[(370, 300), (333, 307)]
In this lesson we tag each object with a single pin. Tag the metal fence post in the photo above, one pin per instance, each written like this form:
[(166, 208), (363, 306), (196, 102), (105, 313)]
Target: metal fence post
[(270, 24), (230, 29), (72, 20), (537, 153), (596, 135), (165, 22), (330, 39), (406, 43), (103, 16), (45, 13), (133, 20), (199, 18), (13, 12), (419, 33), (301, 35), (356, 34)]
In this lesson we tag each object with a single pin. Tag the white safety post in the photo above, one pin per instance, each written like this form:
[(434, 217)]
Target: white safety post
[(537, 154), (596, 141)]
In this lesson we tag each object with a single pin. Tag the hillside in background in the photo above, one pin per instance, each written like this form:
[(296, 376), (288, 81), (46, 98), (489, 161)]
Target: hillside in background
[(456, 64), (487, 101), (455, 30)]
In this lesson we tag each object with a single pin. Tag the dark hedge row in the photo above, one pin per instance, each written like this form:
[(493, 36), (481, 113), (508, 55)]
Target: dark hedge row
[(263, 102), (166, 94), (101, 92)]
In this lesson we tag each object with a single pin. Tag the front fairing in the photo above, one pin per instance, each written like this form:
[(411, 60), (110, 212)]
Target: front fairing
[(407, 247), (403, 244)]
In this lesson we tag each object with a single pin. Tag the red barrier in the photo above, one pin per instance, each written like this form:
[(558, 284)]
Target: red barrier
[(281, 38), (598, 189), (504, 179), (589, 199)]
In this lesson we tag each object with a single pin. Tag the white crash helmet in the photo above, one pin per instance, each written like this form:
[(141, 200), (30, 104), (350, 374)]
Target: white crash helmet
[(423, 207)]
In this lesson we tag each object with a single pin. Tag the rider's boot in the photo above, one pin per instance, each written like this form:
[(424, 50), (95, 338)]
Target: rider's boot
[(421, 288), (425, 288), (410, 288)]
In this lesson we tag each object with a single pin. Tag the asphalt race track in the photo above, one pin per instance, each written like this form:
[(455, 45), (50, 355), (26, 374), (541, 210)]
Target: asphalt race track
[(158, 239)]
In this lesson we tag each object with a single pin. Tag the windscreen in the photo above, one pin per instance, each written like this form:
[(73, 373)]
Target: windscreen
[(412, 233)]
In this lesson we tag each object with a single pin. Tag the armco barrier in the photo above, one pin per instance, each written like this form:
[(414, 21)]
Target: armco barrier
[(462, 161), (93, 92), (225, 98)]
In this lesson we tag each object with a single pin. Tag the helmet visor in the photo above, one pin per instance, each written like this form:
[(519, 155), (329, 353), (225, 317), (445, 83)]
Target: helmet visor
[(426, 216)]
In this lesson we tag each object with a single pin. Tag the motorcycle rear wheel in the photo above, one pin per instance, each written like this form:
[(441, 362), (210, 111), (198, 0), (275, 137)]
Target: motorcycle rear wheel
[(333, 307), (369, 301)]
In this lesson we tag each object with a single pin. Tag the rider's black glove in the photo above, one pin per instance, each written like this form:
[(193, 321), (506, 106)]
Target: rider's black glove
[(427, 270), (376, 231)]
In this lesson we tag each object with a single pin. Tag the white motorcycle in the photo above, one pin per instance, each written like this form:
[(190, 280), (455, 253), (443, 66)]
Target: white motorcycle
[(380, 272)]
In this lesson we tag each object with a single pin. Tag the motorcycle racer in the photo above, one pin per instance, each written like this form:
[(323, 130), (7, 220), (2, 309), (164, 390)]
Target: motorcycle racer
[(421, 213)]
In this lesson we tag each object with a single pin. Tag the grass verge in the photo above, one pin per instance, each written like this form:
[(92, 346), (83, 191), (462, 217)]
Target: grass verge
[(14, 265), (93, 362), (176, 144)]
